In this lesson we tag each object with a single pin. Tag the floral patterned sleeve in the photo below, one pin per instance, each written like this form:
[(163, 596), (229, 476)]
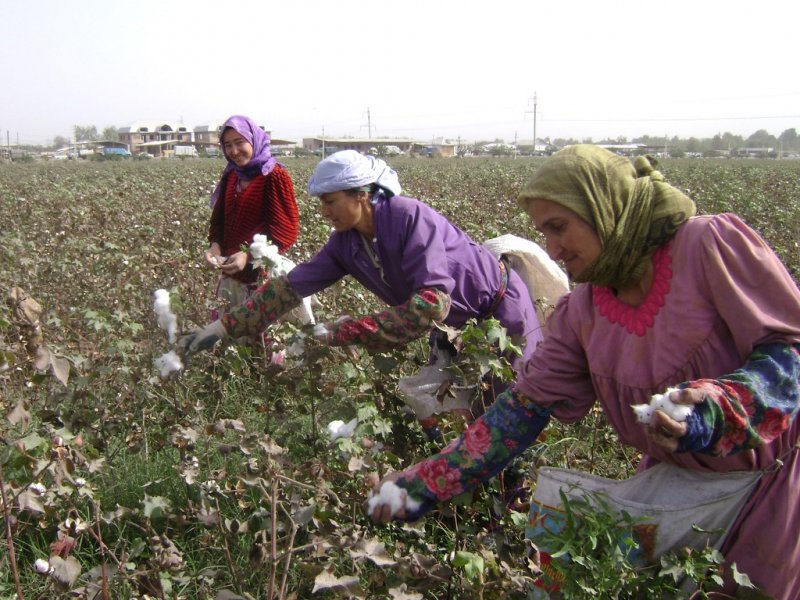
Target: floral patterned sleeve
[(393, 327), (747, 408), (272, 299), (509, 426)]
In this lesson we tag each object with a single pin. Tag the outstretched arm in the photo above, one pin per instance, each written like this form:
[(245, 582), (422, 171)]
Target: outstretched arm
[(393, 327), (510, 425)]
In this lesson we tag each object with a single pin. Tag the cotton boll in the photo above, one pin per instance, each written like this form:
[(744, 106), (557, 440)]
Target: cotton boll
[(166, 319), (662, 402), (42, 566), (392, 495), (644, 412), (339, 429), (297, 347), (168, 363)]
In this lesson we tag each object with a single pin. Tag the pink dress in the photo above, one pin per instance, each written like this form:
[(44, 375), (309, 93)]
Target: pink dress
[(718, 292)]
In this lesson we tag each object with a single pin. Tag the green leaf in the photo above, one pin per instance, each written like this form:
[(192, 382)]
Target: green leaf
[(472, 564)]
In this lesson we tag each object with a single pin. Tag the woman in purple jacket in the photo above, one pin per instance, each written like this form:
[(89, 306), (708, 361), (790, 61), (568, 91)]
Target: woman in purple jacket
[(425, 268)]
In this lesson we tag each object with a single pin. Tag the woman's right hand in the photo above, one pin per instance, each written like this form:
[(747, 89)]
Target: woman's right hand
[(213, 256), (389, 502)]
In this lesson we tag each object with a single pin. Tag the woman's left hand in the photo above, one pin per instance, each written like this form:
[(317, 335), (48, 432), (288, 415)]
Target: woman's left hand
[(665, 431), (235, 263)]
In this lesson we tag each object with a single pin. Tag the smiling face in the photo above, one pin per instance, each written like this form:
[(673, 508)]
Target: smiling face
[(236, 148), (345, 211), (569, 239)]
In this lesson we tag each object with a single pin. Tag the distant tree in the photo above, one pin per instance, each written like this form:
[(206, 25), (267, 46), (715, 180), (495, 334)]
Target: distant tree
[(562, 142), (60, 142), (85, 134), (693, 145), (110, 134), (789, 139), (761, 139)]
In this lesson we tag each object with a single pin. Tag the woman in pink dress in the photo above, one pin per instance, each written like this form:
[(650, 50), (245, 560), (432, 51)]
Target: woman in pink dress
[(663, 299)]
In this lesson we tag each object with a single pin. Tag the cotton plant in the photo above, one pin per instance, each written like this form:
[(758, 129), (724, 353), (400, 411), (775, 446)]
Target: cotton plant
[(662, 402), (169, 362)]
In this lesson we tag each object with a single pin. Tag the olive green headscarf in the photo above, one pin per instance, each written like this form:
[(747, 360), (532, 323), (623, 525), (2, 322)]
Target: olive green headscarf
[(629, 205)]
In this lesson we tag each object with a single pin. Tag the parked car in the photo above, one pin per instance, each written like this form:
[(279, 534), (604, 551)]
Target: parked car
[(144, 155), (185, 151)]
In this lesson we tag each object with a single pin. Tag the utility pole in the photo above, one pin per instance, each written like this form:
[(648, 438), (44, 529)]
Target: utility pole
[(369, 124), (534, 101)]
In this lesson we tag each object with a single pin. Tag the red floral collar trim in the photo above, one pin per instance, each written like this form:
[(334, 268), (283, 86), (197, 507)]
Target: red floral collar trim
[(636, 319)]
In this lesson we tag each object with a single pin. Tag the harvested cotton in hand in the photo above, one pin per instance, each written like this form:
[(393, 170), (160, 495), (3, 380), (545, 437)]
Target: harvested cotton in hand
[(392, 495), (662, 402), (166, 318)]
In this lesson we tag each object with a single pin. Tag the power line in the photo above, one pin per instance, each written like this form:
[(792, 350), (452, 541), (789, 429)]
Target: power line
[(666, 119)]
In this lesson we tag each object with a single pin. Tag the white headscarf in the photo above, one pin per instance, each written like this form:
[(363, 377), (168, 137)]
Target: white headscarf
[(347, 170)]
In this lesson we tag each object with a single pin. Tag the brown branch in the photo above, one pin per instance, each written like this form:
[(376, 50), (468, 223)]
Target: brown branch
[(12, 559)]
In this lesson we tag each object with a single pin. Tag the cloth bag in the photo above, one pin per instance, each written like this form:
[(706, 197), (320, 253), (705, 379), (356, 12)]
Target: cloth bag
[(432, 390), (545, 280), (671, 499)]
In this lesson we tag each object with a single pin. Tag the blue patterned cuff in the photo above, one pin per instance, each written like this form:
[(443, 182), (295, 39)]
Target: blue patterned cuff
[(700, 431)]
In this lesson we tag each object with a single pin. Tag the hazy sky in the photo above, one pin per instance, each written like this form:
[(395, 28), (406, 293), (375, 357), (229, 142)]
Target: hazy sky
[(403, 68)]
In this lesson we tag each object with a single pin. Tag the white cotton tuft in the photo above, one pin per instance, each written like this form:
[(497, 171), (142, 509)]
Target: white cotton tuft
[(662, 402), (42, 566), (168, 363), (339, 429), (166, 318), (392, 495), (644, 412)]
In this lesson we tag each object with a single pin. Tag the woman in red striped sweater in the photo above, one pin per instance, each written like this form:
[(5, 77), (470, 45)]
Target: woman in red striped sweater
[(254, 195)]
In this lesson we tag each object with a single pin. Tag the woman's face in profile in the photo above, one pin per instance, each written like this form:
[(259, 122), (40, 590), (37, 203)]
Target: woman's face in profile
[(569, 239)]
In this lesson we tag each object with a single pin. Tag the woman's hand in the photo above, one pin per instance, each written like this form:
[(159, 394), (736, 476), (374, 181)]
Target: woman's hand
[(235, 263), (387, 503), (665, 431), (212, 256)]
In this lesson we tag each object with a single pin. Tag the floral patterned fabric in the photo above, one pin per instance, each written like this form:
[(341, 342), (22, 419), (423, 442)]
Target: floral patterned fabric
[(510, 425), (272, 299), (750, 407), (393, 327)]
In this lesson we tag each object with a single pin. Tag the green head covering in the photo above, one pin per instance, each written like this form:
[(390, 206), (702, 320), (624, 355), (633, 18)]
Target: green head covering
[(629, 205)]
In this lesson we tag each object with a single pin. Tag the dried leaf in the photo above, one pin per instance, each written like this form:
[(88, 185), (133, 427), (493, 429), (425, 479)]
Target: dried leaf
[(65, 570), (19, 415), (228, 595), (60, 369), (374, 551), (328, 581), (400, 593), (42, 359), (63, 546), (30, 501)]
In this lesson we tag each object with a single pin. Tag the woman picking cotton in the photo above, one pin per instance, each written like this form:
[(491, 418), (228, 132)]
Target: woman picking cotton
[(664, 299), (422, 266), (254, 196)]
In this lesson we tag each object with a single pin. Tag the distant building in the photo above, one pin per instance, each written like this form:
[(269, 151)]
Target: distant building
[(154, 137), (381, 146)]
